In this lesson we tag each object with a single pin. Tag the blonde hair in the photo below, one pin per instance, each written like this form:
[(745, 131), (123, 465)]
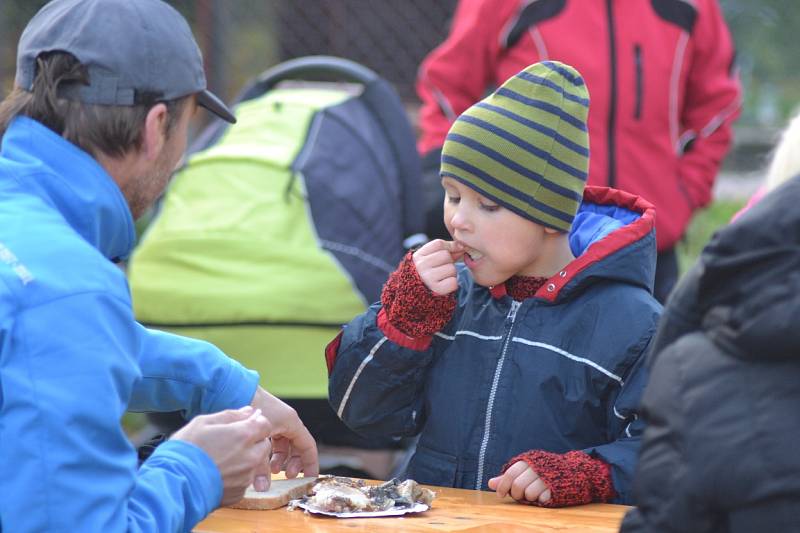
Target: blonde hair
[(786, 159)]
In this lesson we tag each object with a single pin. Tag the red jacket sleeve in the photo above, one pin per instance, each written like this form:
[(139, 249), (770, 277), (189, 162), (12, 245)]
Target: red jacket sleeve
[(712, 103), (456, 74)]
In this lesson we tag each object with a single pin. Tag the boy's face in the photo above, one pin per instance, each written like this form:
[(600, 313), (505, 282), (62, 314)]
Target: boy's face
[(499, 243)]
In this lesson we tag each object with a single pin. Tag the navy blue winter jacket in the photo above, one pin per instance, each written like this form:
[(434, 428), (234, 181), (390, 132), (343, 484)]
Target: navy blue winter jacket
[(560, 371)]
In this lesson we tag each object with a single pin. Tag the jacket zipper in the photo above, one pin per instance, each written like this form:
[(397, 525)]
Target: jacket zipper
[(637, 59), (512, 314), (612, 104)]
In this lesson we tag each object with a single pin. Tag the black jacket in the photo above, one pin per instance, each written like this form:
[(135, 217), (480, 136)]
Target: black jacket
[(723, 403)]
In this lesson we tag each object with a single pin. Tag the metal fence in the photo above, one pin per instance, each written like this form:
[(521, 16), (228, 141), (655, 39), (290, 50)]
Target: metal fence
[(241, 38)]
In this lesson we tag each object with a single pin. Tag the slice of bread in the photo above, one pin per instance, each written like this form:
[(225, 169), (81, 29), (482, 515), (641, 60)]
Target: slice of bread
[(279, 493)]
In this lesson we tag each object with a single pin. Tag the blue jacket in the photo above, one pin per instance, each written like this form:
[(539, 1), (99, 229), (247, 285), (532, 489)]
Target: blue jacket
[(557, 372), (73, 358)]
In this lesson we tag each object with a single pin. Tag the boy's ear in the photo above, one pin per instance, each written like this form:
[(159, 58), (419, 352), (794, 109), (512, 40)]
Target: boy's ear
[(551, 231)]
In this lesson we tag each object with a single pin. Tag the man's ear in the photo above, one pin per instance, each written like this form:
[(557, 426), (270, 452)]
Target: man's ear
[(154, 134)]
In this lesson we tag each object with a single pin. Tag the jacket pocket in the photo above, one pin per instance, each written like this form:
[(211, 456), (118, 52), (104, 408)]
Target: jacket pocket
[(433, 468), (638, 62)]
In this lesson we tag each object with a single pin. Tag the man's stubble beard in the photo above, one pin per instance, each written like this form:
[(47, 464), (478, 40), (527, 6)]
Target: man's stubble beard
[(148, 188)]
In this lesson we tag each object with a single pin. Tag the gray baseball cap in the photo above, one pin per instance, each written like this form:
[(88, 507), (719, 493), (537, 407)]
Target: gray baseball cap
[(133, 49)]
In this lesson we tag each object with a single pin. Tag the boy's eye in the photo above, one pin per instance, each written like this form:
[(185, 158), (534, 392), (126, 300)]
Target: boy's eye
[(489, 207), (453, 199)]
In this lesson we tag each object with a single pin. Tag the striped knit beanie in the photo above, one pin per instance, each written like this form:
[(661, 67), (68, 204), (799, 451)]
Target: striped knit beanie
[(526, 145)]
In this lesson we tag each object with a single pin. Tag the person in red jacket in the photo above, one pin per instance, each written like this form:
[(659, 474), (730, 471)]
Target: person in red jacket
[(663, 83)]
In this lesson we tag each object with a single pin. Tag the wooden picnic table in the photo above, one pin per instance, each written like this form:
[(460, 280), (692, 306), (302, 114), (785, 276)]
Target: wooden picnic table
[(453, 510)]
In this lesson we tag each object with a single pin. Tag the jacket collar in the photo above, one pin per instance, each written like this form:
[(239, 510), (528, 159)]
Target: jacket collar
[(72, 182), (635, 264)]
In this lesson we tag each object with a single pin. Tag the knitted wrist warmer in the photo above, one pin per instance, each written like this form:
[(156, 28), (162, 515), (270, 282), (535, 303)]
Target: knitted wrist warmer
[(410, 306), (574, 478)]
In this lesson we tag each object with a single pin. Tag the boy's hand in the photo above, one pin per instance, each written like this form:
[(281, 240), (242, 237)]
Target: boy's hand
[(435, 263), (522, 483)]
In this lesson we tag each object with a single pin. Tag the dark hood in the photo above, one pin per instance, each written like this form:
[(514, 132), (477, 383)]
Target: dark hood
[(744, 291)]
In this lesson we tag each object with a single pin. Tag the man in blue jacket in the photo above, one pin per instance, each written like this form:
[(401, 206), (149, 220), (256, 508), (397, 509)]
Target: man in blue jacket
[(95, 125)]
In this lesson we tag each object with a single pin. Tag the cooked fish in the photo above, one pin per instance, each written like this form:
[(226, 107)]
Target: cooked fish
[(345, 495)]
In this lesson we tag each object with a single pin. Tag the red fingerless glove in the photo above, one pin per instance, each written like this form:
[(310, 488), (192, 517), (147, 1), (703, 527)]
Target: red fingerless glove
[(574, 478), (410, 307)]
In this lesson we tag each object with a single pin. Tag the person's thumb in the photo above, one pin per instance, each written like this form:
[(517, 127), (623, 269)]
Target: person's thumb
[(256, 426)]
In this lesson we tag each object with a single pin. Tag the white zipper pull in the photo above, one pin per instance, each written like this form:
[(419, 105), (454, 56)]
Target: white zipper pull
[(512, 313)]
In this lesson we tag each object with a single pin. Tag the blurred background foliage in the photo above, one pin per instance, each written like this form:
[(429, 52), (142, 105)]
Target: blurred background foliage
[(242, 38), (765, 32)]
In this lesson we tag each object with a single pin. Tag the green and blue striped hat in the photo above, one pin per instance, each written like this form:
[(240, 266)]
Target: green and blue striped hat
[(526, 145)]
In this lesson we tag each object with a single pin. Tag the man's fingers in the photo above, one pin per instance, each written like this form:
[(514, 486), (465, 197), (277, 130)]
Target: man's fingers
[(304, 446), (293, 460), (261, 427), (280, 452), (277, 462), (310, 462), (227, 416), (289, 435), (262, 478), (255, 427), (293, 466)]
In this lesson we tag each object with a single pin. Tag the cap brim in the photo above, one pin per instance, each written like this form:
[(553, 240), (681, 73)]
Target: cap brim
[(211, 102)]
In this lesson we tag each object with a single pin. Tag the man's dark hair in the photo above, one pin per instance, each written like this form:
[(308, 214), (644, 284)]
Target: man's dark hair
[(110, 130)]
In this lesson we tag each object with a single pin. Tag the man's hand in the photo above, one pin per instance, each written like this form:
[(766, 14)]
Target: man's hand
[(293, 447), (236, 440), (522, 483), (435, 263)]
